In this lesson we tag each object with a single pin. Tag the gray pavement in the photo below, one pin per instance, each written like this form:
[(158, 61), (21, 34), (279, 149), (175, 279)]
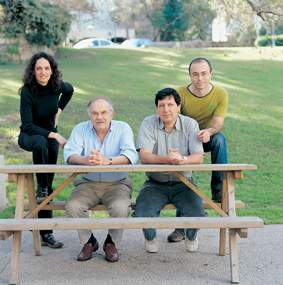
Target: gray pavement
[(261, 261)]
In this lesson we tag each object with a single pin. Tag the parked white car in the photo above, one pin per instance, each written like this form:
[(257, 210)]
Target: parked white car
[(137, 43), (94, 43)]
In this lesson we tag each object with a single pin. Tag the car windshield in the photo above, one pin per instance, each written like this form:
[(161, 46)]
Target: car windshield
[(95, 43), (104, 43)]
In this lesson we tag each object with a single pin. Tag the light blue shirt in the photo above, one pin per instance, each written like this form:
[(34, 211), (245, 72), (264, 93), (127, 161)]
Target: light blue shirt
[(118, 141)]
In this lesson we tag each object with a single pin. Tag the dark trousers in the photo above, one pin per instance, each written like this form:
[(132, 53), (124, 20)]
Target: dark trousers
[(44, 151), (218, 148), (154, 196)]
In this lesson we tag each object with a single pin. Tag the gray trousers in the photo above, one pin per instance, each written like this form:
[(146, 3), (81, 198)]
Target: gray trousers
[(115, 196)]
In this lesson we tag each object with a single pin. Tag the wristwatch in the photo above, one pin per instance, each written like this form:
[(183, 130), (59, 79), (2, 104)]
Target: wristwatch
[(110, 161), (184, 157)]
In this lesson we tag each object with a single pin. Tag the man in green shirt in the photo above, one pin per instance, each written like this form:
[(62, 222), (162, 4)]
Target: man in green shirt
[(207, 104)]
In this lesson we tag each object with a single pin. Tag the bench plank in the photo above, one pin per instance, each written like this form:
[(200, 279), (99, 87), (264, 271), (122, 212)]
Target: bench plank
[(130, 223), (60, 205)]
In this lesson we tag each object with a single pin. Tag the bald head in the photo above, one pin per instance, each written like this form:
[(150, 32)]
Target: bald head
[(106, 100)]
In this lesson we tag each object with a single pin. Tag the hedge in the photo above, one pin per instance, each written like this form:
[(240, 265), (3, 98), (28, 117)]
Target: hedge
[(266, 40)]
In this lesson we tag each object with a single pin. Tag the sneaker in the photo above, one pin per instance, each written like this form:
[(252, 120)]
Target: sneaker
[(50, 241), (151, 245), (41, 194), (176, 236), (191, 245)]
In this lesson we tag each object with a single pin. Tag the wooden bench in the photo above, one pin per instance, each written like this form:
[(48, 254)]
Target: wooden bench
[(130, 223), (60, 206), (24, 176), (233, 224)]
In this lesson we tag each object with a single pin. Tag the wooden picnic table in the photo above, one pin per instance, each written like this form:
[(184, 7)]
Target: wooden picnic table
[(23, 175)]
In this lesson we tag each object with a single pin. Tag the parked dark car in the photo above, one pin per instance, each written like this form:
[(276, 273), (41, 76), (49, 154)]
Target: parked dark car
[(118, 40)]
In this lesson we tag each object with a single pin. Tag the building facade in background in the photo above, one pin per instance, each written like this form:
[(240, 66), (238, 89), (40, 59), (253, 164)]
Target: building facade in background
[(99, 24)]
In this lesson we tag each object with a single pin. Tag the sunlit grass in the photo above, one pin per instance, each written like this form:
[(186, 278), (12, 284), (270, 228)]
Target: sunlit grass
[(253, 126)]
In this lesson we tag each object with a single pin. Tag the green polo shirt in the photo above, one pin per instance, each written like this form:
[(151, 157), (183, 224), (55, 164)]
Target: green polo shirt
[(203, 109)]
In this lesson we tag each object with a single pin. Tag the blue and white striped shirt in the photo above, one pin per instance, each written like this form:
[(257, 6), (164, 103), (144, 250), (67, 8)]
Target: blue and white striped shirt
[(118, 141)]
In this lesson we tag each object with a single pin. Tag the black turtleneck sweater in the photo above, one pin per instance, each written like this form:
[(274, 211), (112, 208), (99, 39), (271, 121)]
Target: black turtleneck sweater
[(38, 108)]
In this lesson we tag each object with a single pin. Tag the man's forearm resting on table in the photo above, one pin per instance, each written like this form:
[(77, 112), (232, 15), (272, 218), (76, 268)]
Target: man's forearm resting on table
[(121, 159), (195, 158), (86, 160), (149, 158)]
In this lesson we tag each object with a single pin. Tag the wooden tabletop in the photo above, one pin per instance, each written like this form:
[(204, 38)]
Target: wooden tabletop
[(60, 168)]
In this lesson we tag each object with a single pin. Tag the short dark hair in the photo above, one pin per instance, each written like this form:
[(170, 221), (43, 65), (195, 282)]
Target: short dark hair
[(167, 92), (200, 59)]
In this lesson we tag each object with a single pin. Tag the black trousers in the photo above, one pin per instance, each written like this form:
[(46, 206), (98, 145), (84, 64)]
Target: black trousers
[(44, 151)]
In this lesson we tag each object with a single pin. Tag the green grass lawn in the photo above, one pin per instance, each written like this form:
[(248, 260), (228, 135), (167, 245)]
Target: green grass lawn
[(253, 127)]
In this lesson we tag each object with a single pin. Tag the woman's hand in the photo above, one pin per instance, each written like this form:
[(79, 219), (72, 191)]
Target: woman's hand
[(57, 117), (60, 139)]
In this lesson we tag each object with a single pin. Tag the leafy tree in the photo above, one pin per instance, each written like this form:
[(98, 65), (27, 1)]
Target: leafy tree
[(200, 17), (126, 13), (262, 31), (172, 22), (73, 5), (161, 19), (241, 15), (264, 9), (279, 29), (182, 20), (137, 14), (39, 23)]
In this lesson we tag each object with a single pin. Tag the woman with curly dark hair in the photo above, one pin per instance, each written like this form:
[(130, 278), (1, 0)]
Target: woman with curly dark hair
[(43, 97)]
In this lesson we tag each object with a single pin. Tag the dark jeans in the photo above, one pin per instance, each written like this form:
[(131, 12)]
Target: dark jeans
[(218, 148), (154, 196), (44, 151)]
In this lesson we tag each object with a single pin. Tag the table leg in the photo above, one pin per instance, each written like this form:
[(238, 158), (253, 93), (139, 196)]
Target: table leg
[(39, 207), (32, 205), (15, 260), (195, 189), (224, 206), (234, 259), (17, 236)]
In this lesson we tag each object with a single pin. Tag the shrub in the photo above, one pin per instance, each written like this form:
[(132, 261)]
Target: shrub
[(266, 40), (40, 23)]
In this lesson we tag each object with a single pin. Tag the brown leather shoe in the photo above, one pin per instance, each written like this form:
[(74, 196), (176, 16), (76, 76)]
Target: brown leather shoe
[(87, 250), (111, 253)]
